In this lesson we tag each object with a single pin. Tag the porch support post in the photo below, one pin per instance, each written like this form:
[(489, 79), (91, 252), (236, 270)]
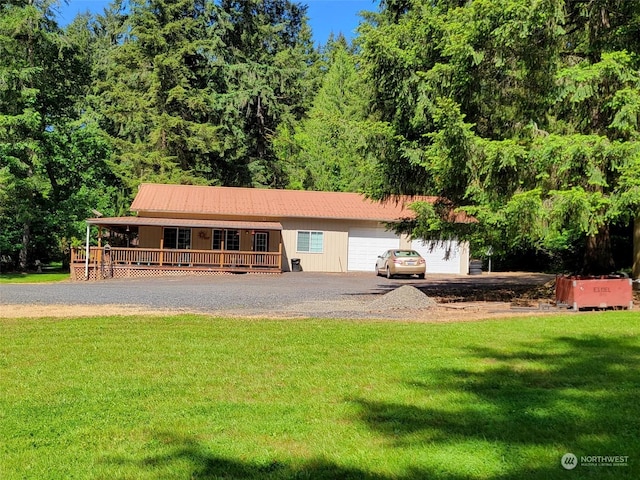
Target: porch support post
[(99, 252), (635, 272), (86, 260)]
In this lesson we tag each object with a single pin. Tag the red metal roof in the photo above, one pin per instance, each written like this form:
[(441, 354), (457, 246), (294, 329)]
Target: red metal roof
[(255, 202)]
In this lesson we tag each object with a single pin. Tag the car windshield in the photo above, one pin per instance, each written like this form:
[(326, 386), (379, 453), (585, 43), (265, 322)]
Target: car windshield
[(406, 253)]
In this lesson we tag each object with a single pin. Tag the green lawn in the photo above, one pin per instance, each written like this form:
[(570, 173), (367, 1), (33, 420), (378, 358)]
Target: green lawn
[(44, 277), (197, 397)]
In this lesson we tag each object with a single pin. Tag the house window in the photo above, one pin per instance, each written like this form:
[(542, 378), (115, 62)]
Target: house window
[(217, 239), (310, 242), (179, 238), (226, 240), (231, 240)]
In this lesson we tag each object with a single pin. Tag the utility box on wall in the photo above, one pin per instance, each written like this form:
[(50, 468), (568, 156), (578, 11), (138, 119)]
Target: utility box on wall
[(594, 292)]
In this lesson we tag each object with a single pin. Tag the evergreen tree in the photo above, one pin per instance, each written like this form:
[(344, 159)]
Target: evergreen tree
[(45, 157), (328, 149), (524, 114), (154, 77), (191, 91), (270, 78)]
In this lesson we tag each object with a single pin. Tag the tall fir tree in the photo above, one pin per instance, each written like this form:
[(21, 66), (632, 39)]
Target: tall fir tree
[(46, 158), (328, 150), (523, 114), (270, 76), (191, 91), (152, 89)]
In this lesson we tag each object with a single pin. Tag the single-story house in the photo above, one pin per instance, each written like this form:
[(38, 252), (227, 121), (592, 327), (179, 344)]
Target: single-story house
[(201, 230)]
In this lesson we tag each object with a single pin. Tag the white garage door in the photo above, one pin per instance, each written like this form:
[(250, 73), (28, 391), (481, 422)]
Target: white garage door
[(365, 244), (441, 257)]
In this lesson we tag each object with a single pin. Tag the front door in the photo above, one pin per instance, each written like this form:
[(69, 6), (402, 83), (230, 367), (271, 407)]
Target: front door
[(261, 242)]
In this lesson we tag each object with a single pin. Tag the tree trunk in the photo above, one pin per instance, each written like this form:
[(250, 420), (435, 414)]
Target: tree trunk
[(635, 271), (26, 238), (598, 259)]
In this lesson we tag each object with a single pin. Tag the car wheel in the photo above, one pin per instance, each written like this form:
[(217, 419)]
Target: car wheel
[(389, 273), (421, 276)]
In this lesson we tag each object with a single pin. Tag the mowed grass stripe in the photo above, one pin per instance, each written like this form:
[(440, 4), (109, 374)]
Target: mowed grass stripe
[(48, 277), (201, 397)]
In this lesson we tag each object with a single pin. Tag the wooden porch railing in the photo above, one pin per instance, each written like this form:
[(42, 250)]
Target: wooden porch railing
[(155, 257)]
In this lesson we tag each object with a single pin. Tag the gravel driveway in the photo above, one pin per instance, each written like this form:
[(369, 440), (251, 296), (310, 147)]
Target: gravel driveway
[(294, 294)]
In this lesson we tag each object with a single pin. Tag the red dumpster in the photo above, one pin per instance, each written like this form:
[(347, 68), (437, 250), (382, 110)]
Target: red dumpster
[(594, 292)]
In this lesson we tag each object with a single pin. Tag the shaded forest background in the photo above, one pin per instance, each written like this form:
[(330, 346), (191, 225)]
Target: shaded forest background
[(523, 113)]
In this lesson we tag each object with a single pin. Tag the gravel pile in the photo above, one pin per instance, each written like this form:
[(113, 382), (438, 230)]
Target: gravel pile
[(405, 297)]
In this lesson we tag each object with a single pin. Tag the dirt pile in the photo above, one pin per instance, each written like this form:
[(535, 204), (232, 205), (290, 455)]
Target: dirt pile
[(405, 297)]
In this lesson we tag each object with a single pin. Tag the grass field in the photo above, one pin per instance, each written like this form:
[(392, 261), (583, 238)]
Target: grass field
[(197, 397), (45, 277)]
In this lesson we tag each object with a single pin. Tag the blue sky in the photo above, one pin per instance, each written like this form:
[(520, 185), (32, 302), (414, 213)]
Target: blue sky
[(325, 16)]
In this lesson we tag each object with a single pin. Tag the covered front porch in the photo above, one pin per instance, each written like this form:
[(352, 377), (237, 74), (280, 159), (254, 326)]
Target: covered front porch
[(145, 247)]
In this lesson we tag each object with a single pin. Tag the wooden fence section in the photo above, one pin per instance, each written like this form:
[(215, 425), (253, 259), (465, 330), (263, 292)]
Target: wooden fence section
[(117, 262)]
